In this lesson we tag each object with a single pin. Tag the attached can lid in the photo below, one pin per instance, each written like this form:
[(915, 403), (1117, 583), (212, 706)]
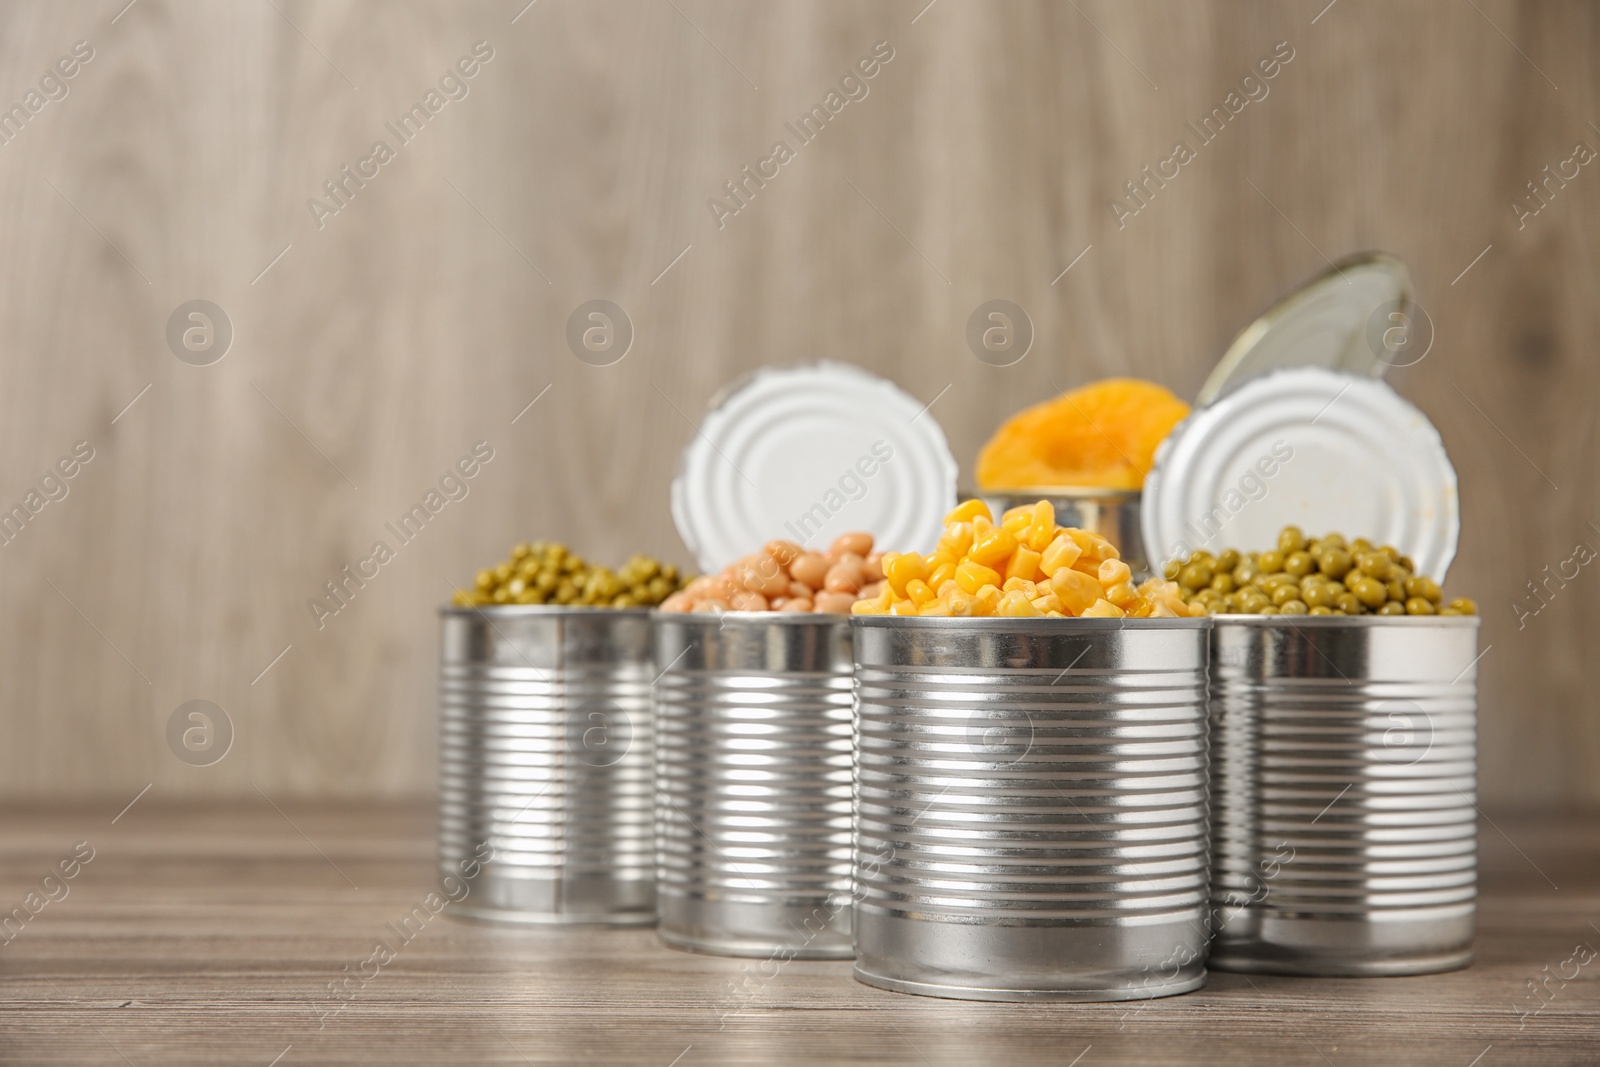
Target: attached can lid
[(1355, 317), (808, 452), (1327, 452)]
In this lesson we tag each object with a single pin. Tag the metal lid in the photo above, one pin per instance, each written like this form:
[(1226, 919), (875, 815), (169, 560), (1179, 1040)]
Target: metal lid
[(1325, 451), (1340, 320), (808, 452)]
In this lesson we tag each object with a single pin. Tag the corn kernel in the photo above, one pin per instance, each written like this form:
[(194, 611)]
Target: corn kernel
[(972, 576), (919, 592), (1113, 572), (993, 549), (988, 599), (1048, 603), (959, 603), (1015, 604), (1075, 589), (1062, 552), (1013, 585), (1093, 545), (1017, 521), (1103, 609), (904, 607), (878, 605), (1024, 564), (901, 568), (1123, 595), (957, 538), (968, 510), (941, 574)]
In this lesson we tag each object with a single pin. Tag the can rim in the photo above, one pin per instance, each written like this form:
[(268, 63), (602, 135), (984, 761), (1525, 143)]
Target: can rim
[(1008, 623), (541, 610), (1326, 622)]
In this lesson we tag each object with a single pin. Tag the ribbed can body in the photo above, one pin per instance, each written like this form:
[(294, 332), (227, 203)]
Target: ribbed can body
[(545, 762), (1030, 807), (1343, 763), (752, 723)]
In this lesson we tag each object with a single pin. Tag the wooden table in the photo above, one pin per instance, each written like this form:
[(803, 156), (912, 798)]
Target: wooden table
[(201, 934)]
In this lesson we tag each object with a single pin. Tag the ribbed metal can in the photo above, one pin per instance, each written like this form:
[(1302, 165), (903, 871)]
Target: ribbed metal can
[(1343, 784), (1030, 807), (752, 725), (545, 757)]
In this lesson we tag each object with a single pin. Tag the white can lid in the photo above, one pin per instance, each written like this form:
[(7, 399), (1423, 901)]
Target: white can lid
[(1355, 317), (808, 452), (1325, 451)]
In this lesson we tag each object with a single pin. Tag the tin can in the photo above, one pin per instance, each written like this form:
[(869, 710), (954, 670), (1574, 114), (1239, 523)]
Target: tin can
[(545, 758), (1030, 807), (1115, 514), (753, 748), (1343, 763)]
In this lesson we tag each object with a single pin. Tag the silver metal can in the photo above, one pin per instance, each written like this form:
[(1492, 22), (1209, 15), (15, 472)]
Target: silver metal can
[(545, 757), (1030, 807), (752, 724), (1343, 783), (1114, 514)]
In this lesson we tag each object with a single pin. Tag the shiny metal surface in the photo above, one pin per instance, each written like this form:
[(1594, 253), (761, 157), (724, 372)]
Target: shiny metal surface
[(1112, 513), (752, 721), (545, 754), (1343, 778), (1030, 807)]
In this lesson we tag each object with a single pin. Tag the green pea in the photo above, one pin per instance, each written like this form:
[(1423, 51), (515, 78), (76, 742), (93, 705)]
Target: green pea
[(1371, 592), (1426, 588), (1196, 575), (1298, 564), (1393, 607), (1285, 593), (1317, 595), (1335, 563), (1419, 606), (1376, 565), (1223, 583), (1348, 603), (1292, 607), (1270, 562), (1227, 559), (1291, 539)]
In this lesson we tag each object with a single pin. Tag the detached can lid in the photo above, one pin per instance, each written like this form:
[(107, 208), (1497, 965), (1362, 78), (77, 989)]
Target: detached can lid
[(806, 453), (1355, 317), (1325, 451)]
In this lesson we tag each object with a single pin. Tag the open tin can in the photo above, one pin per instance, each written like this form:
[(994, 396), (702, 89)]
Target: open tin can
[(753, 748), (1343, 777), (545, 757), (1030, 807)]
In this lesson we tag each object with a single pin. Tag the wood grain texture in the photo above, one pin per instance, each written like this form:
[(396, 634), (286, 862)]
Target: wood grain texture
[(427, 313), (204, 934)]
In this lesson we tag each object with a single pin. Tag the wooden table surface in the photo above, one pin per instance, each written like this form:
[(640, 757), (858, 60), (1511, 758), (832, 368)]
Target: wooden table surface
[(200, 934)]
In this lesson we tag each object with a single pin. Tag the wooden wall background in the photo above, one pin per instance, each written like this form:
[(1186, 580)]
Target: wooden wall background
[(425, 315)]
